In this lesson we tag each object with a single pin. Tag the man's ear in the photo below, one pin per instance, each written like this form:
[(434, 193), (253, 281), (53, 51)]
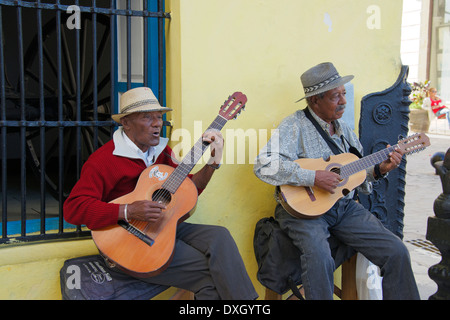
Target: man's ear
[(124, 122), (313, 100)]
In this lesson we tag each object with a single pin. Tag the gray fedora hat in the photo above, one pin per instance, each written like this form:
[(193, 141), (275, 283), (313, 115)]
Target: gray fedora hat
[(322, 78)]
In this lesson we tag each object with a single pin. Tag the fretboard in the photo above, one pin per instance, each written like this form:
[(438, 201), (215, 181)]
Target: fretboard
[(366, 162), (191, 159)]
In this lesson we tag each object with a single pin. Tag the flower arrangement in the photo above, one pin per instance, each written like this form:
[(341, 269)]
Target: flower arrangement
[(418, 94)]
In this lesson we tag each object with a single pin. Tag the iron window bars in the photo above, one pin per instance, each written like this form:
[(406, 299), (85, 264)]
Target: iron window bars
[(58, 87)]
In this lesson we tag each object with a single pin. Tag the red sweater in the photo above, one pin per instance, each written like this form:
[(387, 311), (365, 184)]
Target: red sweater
[(435, 105), (105, 177)]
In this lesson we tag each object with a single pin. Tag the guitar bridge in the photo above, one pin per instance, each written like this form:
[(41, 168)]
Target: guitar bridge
[(310, 193), (136, 232)]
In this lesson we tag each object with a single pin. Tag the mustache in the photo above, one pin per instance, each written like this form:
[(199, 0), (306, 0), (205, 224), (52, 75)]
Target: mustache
[(339, 108)]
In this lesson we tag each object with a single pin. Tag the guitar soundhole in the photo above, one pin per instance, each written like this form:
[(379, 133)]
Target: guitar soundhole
[(336, 170), (162, 196)]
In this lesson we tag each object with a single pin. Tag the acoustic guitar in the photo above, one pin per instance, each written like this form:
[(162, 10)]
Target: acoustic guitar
[(312, 202), (145, 249)]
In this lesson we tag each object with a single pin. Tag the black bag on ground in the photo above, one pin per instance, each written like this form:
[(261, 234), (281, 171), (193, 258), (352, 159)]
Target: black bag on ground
[(278, 259), (88, 278)]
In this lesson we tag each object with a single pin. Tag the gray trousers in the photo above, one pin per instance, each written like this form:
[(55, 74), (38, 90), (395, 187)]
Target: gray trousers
[(353, 225), (207, 262)]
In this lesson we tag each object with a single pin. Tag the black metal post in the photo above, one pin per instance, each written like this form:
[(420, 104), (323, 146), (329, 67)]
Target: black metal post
[(438, 232), (3, 132)]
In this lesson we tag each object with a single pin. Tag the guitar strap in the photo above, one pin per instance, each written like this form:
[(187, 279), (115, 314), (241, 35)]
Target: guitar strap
[(333, 146)]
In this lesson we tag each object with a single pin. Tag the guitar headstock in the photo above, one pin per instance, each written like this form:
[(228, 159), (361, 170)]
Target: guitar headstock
[(233, 106), (414, 143)]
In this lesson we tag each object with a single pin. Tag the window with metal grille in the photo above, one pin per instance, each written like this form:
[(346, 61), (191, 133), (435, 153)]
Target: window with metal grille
[(63, 66)]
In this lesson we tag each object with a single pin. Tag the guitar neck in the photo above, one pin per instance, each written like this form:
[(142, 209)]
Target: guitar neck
[(366, 162), (191, 159)]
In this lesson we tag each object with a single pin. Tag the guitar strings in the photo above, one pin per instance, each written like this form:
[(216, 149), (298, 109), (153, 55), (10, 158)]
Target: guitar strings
[(186, 165), (180, 173), (380, 156), (365, 162)]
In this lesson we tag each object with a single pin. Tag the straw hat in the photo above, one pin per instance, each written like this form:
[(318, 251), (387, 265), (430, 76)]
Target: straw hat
[(138, 100), (322, 78)]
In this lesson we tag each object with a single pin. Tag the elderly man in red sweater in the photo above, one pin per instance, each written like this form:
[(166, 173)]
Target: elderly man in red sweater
[(206, 259)]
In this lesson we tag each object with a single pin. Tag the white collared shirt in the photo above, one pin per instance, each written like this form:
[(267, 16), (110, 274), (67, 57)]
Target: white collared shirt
[(147, 156), (124, 147), (296, 137)]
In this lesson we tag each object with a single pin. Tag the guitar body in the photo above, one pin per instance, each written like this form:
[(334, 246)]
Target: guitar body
[(145, 249), (311, 202), (129, 252)]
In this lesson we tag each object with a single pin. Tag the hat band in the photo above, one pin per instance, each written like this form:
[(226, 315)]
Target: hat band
[(139, 104), (321, 84)]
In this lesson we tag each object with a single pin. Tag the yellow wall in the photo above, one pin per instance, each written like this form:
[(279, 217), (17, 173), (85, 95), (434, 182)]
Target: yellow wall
[(31, 271), (261, 47)]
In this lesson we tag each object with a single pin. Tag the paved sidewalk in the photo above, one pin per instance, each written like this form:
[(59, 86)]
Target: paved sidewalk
[(439, 127), (423, 186)]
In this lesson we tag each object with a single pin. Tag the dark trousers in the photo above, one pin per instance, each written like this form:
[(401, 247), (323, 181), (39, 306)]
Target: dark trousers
[(353, 225), (207, 262)]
